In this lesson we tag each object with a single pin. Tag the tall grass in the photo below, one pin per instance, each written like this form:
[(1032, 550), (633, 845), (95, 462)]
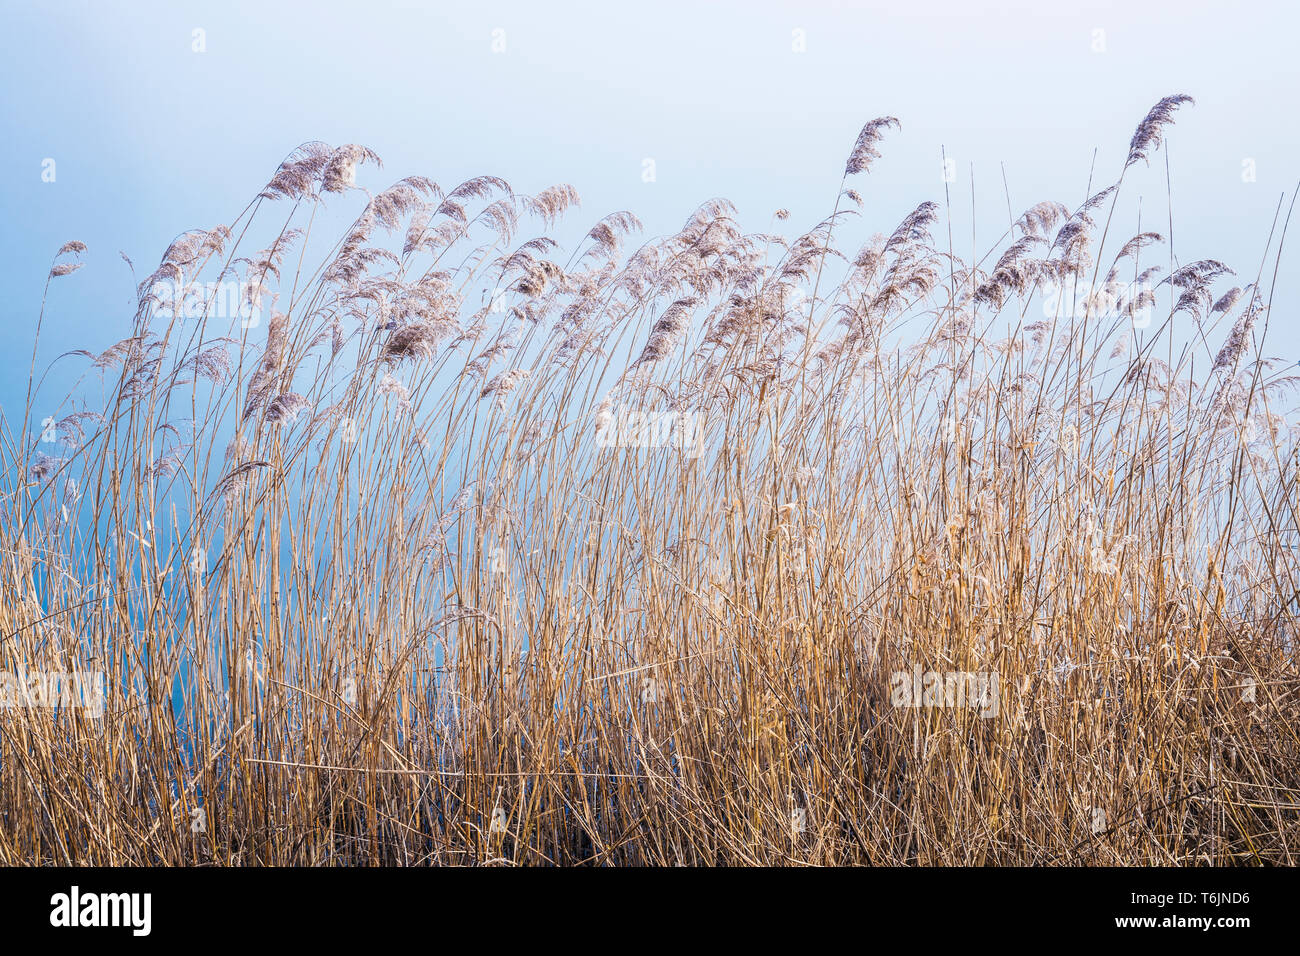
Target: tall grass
[(381, 579)]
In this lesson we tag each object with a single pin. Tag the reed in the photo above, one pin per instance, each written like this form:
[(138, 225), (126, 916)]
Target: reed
[(476, 550)]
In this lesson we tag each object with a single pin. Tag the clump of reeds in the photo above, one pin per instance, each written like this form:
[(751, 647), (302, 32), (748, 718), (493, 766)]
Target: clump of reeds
[(384, 577)]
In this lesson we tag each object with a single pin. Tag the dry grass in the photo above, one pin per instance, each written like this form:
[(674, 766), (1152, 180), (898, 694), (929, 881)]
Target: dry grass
[(368, 572)]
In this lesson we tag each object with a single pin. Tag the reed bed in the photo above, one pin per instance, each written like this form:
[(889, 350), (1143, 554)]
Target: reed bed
[(473, 549)]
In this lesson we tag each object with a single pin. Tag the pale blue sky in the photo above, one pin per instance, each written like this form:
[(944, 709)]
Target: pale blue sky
[(151, 138)]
